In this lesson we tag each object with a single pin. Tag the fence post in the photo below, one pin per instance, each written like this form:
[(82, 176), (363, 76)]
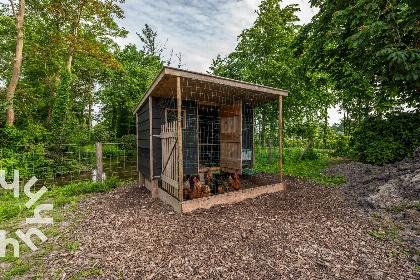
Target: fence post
[(271, 151), (99, 166)]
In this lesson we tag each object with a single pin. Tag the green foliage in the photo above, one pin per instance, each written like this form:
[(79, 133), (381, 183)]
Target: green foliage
[(9, 210), (102, 133), (37, 160), (342, 146), (309, 167), (10, 136), (128, 142), (369, 50), (122, 89), (60, 105), (75, 189), (12, 207), (380, 141)]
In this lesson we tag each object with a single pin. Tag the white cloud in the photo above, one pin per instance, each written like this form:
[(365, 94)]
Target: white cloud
[(200, 30)]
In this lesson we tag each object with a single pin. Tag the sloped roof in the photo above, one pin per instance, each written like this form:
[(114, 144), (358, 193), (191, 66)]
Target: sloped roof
[(205, 87)]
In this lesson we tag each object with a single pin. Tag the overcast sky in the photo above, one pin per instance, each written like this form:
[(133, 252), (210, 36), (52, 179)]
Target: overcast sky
[(200, 30)]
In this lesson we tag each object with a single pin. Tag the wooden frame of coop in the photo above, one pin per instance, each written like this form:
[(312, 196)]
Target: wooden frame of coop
[(190, 125)]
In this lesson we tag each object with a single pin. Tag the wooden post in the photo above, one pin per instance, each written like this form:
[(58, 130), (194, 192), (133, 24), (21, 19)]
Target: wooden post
[(280, 140), (142, 180), (180, 158), (99, 166), (151, 136), (271, 151)]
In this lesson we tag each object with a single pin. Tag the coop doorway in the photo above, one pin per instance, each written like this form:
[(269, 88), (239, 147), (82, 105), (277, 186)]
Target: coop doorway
[(208, 137)]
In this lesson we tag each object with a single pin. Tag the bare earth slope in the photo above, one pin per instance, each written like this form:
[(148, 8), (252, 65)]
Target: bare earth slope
[(307, 231)]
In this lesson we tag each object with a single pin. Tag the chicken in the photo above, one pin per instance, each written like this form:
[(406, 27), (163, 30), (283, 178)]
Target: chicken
[(196, 189), (215, 185), (237, 184), (234, 184), (205, 191), (187, 190), (209, 182), (220, 189), (231, 182)]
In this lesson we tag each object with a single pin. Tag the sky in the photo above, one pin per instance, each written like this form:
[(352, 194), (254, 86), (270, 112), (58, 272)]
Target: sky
[(199, 30)]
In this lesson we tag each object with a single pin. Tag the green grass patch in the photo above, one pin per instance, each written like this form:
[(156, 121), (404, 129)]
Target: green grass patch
[(12, 207), (312, 164)]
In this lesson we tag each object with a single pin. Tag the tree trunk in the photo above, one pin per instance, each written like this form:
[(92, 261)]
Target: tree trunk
[(263, 130), (90, 116), (307, 148), (75, 27), (18, 61)]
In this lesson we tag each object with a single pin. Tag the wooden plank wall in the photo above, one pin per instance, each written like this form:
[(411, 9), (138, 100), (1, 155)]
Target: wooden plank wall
[(143, 138)]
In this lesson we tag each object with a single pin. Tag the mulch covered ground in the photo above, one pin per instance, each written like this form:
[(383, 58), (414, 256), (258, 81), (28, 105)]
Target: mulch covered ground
[(307, 231)]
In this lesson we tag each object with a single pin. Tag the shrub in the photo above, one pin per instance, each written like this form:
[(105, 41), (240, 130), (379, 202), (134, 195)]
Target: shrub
[(10, 136), (386, 140), (341, 146), (128, 142)]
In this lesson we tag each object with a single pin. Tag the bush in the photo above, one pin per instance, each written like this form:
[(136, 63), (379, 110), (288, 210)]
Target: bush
[(10, 136), (342, 146), (128, 142), (381, 141)]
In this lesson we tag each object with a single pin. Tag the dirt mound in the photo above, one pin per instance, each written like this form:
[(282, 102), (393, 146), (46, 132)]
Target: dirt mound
[(381, 187)]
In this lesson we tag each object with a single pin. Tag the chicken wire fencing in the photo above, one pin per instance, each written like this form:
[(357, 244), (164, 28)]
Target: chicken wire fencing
[(68, 163), (226, 139)]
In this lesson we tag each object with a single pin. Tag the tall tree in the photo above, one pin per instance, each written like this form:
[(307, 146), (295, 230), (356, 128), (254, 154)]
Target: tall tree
[(370, 50), (19, 19), (264, 55)]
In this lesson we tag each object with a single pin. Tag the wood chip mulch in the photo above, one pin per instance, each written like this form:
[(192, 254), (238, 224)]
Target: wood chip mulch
[(307, 232)]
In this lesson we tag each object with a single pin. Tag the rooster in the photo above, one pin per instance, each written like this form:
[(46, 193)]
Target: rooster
[(196, 189)]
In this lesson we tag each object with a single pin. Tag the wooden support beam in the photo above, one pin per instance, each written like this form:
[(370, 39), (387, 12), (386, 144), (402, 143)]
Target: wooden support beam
[(280, 136), (180, 158), (151, 136)]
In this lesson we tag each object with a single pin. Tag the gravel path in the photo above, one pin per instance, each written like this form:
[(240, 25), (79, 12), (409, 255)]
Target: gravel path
[(306, 232)]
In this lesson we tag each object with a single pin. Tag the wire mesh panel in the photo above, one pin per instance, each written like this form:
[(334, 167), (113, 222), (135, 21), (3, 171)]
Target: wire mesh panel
[(219, 126), (67, 163)]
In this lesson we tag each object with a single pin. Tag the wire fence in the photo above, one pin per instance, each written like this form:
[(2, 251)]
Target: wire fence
[(68, 163)]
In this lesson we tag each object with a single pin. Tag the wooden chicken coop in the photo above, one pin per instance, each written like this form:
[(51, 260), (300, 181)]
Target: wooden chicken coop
[(195, 139)]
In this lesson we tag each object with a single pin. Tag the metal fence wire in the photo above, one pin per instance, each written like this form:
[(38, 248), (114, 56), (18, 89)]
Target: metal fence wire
[(67, 163)]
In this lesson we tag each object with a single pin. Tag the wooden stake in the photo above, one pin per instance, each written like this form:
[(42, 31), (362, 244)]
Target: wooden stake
[(180, 158), (99, 166), (280, 136)]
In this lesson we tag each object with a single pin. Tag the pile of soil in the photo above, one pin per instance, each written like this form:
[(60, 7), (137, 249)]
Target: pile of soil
[(377, 187), (391, 194), (307, 231)]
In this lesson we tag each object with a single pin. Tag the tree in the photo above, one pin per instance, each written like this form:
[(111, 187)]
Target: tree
[(19, 22), (265, 55), (370, 50), (121, 90)]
